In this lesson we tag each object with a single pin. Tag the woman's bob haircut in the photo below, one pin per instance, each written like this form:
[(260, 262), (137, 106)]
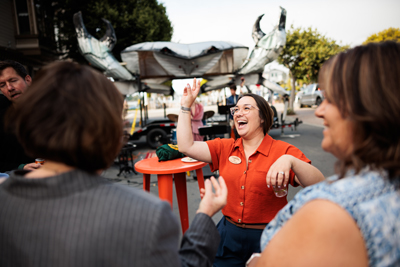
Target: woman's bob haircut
[(71, 114), (364, 83)]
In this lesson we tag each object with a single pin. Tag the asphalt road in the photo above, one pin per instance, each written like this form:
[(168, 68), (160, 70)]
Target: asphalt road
[(307, 138)]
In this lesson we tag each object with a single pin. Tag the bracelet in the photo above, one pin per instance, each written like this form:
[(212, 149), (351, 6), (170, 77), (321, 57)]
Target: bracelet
[(254, 255), (185, 109)]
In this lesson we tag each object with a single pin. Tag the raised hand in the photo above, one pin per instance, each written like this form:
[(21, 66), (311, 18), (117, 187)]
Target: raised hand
[(213, 202), (190, 93)]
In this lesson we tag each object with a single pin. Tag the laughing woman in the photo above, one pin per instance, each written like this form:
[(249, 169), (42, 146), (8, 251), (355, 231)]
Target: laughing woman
[(355, 214), (251, 165)]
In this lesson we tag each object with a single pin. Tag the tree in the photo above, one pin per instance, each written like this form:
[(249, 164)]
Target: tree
[(134, 21), (304, 53), (391, 34)]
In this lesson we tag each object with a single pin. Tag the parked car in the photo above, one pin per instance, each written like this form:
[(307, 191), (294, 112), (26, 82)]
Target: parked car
[(312, 95)]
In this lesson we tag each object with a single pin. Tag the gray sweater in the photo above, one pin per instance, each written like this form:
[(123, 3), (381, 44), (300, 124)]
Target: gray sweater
[(77, 219)]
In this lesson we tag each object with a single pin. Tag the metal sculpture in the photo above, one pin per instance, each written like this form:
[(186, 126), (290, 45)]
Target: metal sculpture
[(151, 66)]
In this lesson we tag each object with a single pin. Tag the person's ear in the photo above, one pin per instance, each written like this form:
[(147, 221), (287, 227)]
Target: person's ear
[(28, 80)]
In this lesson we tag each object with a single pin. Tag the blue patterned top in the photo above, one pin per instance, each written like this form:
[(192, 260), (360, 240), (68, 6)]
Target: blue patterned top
[(370, 198)]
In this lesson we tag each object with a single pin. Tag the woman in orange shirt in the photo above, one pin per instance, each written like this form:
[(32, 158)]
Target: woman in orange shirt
[(250, 165)]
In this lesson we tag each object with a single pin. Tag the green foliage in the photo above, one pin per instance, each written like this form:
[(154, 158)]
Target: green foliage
[(290, 112), (288, 85), (134, 21), (306, 51), (391, 34)]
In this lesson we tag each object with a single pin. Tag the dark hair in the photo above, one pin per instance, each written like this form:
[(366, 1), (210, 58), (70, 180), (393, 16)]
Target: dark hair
[(266, 114), (233, 87), (19, 68), (364, 83), (71, 114)]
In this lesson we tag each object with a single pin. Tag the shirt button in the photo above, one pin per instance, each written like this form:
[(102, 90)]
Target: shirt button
[(244, 172), (249, 160), (242, 186), (240, 220), (241, 203)]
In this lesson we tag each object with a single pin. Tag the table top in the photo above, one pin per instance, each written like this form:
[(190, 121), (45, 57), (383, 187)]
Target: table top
[(152, 166)]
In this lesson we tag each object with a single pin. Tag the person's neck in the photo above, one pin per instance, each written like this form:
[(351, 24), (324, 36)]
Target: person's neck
[(49, 169), (253, 142)]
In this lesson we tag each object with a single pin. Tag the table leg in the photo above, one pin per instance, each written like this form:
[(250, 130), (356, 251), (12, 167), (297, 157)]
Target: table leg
[(200, 178), (181, 193), (146, 182), (165, 187)]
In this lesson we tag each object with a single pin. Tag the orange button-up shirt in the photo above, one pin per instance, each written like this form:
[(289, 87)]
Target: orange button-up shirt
[(249, 199)]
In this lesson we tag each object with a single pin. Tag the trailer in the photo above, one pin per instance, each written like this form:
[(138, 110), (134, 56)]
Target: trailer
[(157, 132)]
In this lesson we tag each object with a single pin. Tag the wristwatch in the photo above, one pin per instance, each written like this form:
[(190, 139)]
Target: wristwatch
[(185, 109)]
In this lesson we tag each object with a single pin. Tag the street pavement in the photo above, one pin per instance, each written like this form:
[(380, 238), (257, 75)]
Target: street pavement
[(307, 138)]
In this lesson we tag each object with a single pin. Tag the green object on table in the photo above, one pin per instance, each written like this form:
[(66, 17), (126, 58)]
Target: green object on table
[(168, 152)]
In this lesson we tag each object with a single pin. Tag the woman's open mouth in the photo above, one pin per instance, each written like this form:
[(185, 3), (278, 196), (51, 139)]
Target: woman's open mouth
[(241, 124)]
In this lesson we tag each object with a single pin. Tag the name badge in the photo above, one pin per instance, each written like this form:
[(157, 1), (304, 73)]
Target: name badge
[(235, 160)]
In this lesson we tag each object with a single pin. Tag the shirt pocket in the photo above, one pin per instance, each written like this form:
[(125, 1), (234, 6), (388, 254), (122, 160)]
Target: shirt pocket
[(257, 183)]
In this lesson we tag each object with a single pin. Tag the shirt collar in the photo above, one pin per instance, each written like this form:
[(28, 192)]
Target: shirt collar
[(264, 147)]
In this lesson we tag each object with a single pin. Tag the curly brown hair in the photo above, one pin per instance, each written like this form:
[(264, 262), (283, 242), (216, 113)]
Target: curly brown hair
[(364, 83)]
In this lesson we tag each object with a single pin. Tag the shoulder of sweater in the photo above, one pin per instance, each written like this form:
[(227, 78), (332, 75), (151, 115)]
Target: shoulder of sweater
[(133, 194)]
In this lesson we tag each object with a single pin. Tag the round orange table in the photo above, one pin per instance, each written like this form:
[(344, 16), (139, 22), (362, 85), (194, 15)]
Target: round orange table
[(164, 171)]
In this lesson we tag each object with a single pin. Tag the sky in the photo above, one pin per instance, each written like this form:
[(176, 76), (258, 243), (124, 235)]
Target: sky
[(348, 22)]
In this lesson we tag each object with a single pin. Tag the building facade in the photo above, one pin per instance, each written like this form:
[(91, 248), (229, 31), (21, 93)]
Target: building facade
[(275, 75), (27, 33)]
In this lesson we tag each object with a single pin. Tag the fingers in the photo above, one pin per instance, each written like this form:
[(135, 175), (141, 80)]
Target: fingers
[(207, 187), (222, 184), (196, 87), (286, 178), (277, 178), (185, 93), (189, 90), (280, 177), (202, 192), (194, 84), (32, 166), (223, 190), (268, 179), (219, 187), (215, 184)]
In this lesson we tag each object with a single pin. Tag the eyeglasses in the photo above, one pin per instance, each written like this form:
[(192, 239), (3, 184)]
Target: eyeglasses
[(245, 109)]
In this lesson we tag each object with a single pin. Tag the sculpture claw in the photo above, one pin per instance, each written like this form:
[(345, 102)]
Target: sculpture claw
[(109, 39), (257, 32), (282, 20), (267, 48), (80, 28), (98, 53)]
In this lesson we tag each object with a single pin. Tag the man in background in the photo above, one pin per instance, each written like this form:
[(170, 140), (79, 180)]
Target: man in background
[(14, 80), (232, 100)]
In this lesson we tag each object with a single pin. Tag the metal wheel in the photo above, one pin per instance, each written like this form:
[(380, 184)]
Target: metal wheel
[(155, 137), (318, 101)]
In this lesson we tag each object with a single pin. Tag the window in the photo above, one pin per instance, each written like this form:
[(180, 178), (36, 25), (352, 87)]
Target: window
[(309, 89), (22, 17)]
